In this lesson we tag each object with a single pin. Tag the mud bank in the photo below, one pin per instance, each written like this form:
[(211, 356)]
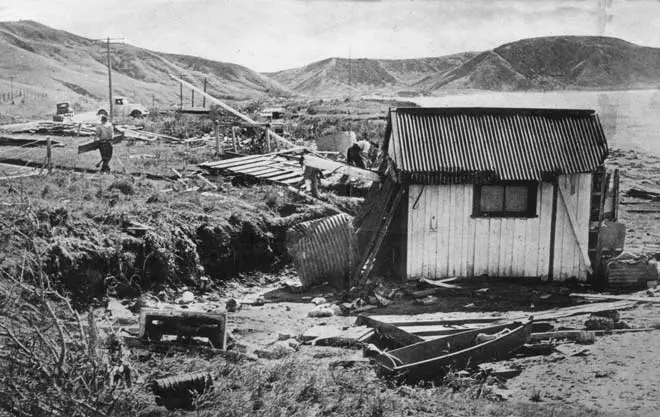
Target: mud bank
[(123, 237)]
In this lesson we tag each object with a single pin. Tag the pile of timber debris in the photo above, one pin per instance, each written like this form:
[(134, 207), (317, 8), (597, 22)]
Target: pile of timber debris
[(51, 128)]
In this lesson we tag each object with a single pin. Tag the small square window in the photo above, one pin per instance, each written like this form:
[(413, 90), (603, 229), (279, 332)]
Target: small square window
[(511, 199)]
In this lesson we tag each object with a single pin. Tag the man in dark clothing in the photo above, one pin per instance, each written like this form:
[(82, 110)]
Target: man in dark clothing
[(104, 134), (354, 156)]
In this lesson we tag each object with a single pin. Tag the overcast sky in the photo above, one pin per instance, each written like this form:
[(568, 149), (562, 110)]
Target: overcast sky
[(269, 35)]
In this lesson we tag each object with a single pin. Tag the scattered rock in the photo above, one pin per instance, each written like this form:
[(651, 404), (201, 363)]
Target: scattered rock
[(259, 301), (277, 350), (213, 297), (293, 343), (319, 300), (321, 312), (570, 349), (428, 300), (500, 370), (610, 314), (285, 336), (382, 301), (232, 306), (604, 323), (336, 310), (186, 298)]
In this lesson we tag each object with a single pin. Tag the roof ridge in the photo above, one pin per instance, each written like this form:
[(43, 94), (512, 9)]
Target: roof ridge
[(531, 111)]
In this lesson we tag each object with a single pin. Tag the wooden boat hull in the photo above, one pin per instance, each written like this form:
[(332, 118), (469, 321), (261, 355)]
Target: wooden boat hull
[(456, 351)]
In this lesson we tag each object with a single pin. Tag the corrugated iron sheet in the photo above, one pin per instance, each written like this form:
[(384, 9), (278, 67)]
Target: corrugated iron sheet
[(280, 167), (323, 250), (454, 145)]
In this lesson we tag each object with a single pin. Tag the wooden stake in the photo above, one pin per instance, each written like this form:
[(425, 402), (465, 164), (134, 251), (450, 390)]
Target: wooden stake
[(233, 138), (49, 159), (217, 139)]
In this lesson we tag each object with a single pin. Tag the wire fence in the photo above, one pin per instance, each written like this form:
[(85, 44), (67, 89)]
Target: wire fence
[(20, 95)]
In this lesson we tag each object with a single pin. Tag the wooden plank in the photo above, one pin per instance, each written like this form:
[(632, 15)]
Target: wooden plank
[(440, 283), (417, 236), (573, 224), (344, 169), (506, 247), (481, 245), (575, 335), (364, 268), (582, 309), (470, 236), (655, 300), (293, 152), (294, 180), (494, 239), (615, 195), (397, 335)]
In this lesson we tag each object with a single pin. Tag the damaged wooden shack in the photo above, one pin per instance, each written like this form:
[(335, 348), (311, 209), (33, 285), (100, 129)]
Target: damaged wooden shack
[(487, 192)]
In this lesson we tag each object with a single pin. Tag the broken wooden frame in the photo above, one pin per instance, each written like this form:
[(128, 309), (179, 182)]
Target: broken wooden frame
[(156, 323)]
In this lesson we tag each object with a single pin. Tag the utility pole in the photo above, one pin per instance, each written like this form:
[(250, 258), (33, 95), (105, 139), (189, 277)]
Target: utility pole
[(109, 63), (350, 68), (203, 96), (193, 99)]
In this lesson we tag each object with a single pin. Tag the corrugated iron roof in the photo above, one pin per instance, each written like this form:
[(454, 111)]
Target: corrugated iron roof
[(439, 145), (283, 167)]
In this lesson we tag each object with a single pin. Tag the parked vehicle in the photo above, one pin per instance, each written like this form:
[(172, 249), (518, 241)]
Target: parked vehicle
[(123, 108), (63, 112)]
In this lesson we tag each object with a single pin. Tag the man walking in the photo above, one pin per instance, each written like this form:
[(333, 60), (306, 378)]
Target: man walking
[(104, 134)]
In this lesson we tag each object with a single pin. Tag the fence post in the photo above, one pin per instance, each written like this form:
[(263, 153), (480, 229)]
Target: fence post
[(49, 155), (217, 138)]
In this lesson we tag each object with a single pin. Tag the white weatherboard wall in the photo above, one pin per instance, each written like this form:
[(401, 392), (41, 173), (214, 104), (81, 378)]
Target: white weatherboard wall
[(445, 241)]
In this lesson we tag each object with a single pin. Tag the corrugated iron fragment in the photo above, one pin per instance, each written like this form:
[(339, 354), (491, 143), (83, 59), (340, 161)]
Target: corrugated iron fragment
[(323, 250), (455, 145)]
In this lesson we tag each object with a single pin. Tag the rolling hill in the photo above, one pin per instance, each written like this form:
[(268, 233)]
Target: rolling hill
[(49, 65), (65, 67), (341, 76), (561, 62), (549, 63)]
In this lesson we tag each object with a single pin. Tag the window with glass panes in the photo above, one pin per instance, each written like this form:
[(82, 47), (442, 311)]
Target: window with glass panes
[(510, 199)]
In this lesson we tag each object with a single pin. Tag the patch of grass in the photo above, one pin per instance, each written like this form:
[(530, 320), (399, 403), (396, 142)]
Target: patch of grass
[(125, 186)]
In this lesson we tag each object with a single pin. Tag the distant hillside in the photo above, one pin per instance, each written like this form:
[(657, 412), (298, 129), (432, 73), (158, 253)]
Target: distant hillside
[(340, 75), (561, 62), (64, 66), (550, 63), (49, 65)]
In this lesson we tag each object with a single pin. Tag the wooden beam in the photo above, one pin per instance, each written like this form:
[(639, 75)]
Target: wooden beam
[(573, 221), (618, 297), (233, 111), (399, 336), (344, 169)]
